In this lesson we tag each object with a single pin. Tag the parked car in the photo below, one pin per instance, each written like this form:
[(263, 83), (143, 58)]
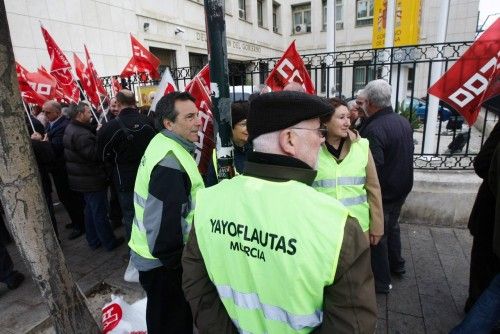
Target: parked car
[(419, 106)]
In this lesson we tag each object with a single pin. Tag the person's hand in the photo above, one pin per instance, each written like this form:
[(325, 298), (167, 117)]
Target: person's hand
[(374, 239), (36, 136), (46, 138)]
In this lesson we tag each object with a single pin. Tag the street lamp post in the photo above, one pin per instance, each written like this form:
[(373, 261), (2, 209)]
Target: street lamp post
[(219, 86)]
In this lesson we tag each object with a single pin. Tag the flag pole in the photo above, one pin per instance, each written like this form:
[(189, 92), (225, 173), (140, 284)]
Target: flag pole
[(29, 118), (138, 86)]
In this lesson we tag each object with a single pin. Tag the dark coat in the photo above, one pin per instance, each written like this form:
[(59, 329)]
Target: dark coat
[(483, 212), (124, 155), (494, 183), (85, 169), (391, 143), (55, 133)]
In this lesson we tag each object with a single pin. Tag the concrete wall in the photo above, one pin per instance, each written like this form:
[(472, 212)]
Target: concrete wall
[(442, 198)]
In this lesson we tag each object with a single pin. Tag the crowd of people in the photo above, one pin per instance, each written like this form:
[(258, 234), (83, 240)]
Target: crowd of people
[(299, 241)]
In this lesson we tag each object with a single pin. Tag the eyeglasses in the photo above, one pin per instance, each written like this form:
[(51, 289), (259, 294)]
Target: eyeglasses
[(322, 132), (241, 124)]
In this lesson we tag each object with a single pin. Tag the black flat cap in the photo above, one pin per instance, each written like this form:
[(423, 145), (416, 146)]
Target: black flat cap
[(279, 110)]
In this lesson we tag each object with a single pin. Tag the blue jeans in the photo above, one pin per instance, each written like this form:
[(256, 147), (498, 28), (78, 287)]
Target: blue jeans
[(97, 228), (485, 314), (126, 200)]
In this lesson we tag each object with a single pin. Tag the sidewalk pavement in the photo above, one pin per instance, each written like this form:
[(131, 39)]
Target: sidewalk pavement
[(429, 298)]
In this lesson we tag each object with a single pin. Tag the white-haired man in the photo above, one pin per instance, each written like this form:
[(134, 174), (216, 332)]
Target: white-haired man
[(391, 143), (270, 253)]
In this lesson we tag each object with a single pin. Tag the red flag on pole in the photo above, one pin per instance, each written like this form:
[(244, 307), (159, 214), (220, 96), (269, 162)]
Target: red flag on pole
[(84, 74), (115, 85), (290, 68), (61, 68), (142, 61), (473, 79), (95, 78), (204, 76), (28, 93), (205, 144)]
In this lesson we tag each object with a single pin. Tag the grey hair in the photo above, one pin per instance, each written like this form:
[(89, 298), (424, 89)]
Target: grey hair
[(351, 104), (377, 93), (267, 143)]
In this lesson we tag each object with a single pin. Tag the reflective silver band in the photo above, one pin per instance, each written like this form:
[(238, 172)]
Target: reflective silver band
[(251, 301)]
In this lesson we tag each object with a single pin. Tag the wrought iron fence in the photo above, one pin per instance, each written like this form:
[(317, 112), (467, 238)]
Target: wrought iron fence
[(343, 73)]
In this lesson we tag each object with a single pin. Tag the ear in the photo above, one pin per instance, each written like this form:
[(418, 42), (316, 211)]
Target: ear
[(168, 124), (287, 142)]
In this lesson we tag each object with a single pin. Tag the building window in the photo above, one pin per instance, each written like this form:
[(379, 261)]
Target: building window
[(196, 62), (411, 78), (242, 9), (338, 77), (263, 71), (167, 58), (364, 12), (338, 15), (362, 73), (301, 19), (276, 17), (261, 13)]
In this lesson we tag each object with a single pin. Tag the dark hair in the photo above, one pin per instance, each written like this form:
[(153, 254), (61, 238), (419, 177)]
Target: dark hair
[(125, 97), (165, 108), (239, 111), (335, 102), (74, 109)]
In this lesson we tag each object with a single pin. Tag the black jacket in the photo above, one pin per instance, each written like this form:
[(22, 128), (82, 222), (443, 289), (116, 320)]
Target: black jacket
[(55, 133), (391, 143), (85, 169), (123, 151)]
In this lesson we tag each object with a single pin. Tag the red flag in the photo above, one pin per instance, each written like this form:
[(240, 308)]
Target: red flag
[(290, 68), (204, 76), (142, 61), (84, 74), (470, 81), (205, 144), (61, 68), (59, 93), (115, 85), (95, 78), (28, 94)]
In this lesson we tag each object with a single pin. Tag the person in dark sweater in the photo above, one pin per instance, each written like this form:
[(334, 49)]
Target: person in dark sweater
[(484, 265), (72, 200), (122, 142), (86, 175), (391, 143), (239, 115)]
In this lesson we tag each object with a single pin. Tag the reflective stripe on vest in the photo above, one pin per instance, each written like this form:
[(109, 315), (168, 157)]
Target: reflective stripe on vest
[(270, 271), (345, 181), (156, 151), (251, 301)]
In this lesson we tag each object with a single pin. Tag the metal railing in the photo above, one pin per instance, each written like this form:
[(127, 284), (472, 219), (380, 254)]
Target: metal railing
[(408, 70)]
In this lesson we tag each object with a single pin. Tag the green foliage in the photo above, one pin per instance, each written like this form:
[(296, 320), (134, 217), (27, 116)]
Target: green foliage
[(410, 116)]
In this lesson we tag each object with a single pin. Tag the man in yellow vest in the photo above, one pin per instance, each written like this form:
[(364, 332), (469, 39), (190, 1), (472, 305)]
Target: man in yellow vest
[(165, 187), (270, 254)]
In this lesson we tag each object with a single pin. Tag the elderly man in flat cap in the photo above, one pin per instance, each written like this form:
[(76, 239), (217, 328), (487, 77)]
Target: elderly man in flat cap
[(268, 253)]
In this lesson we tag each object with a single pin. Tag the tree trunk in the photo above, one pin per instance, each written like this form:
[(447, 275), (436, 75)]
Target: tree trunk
[(25, 206)]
